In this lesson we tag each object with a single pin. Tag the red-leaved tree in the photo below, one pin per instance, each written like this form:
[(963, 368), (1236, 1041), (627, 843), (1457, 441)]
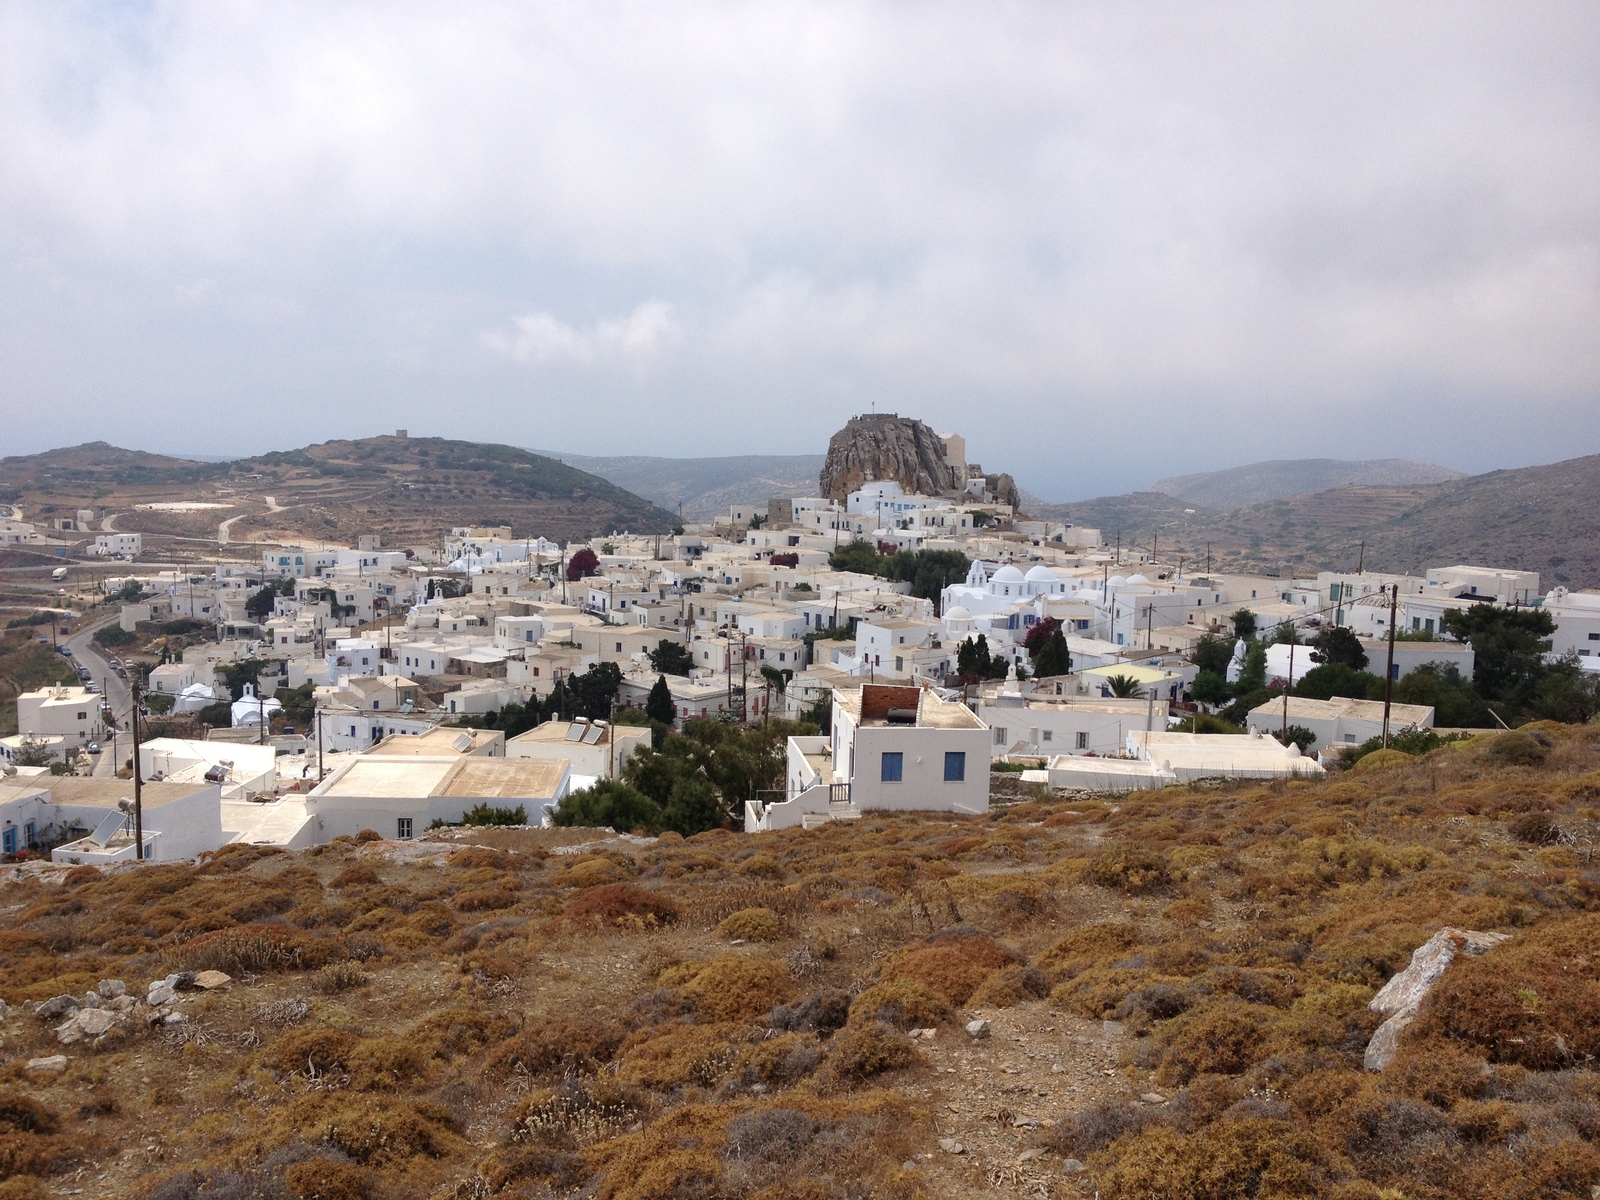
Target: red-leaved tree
[(582, 564)]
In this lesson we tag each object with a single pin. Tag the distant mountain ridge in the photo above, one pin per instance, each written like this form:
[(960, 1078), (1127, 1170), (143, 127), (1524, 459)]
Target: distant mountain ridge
[(703, 486), (1544, 518), (1256, 483)]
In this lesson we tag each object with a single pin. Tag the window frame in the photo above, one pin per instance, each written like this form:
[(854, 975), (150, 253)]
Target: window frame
[(958, 760), (895, 759)]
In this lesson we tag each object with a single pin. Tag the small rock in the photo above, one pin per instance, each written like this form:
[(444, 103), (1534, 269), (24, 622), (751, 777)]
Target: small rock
[(1029, 1155), (57, 1006), (181, 981), (1400, 998), (174, 1018), (121, 1004), (207, 980), (1111, 1028), (978, 1029), (1153, 1098), (1057, 1068), (1073, 1167), (926, 1035), (3, 1010), (161, 993), (951, 1146), (91, 999), (910, 1164), (95, 1021), (111, 988), (49, 1065)]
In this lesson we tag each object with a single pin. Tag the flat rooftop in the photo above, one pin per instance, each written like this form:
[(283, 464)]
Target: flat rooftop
[(102, 793), (434, 742), (458, 776), (871, 706)]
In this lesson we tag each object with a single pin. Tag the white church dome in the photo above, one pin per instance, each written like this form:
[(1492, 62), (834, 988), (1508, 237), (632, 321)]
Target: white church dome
[(1007, 574), (1040, 574), (958, 614), (1116, 581), (1137, 579)]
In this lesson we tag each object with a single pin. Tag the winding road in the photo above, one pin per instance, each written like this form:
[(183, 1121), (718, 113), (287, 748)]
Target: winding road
[(114, 688)]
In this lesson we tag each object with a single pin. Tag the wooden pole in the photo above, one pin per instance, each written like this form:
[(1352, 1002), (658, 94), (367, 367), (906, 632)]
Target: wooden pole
[(138, 794), (1388, 674)]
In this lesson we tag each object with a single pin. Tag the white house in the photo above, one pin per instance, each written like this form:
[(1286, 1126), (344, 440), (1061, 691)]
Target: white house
[(70, 713), (114, 545), (1577, 618), (1338, 722), (1191, 756), (171, 679), (594, 748), (180, 820), (905, 748), (239, 769), (400, 796), (1052, 725)]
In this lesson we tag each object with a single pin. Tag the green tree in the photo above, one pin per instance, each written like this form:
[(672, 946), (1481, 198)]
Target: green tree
[(32, 754), (259, 607), (609, 802), (237, 674), (974, 662), (659, 705), (1338, 644), (1124, 687), (158, 703), (1455, 701), (1337, 679), (1211, 688), (1212, 653), (860, 557), (129, 592), (1053, 658), (1297, 735), (1244, 624), (1285, 634), (1567, 692), (484, 813), (671, 658), (1254, 675), (593, 691), (1508, 647), (693, 807), (218, 715)]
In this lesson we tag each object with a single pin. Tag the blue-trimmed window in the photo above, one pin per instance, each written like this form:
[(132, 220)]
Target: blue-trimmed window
[(893, 766), (955, 766)]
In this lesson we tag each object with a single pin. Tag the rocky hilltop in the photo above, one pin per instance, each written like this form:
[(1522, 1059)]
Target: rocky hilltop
[(879, 447)]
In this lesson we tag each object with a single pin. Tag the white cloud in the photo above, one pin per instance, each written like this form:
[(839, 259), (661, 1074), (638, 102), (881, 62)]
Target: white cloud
[(541, 338)]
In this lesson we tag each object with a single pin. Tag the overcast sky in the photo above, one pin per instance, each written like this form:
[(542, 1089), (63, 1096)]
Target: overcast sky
[(1108, 243)]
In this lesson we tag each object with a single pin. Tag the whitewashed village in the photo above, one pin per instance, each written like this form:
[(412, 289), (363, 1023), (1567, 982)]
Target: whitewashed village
[(924, 636)]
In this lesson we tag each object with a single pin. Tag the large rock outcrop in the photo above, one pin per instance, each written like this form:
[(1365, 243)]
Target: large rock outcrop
[(1399, 999), (880, 447)]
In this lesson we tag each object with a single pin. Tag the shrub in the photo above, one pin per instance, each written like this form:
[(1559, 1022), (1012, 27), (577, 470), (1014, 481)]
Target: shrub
[(1086, 945), (623, 905), (906, 1003), (952, 965), (1537, 828), (750, 925), (308, 1051), (577, 1043), (735, 987), (1515, 748), (822, 1013), (355, 875), (1382, 760), (1129, 868), (255, 949), (377, 1131), (1533, 1000), (1220, 1038), (1221, 1161), (770, 1135), (325, 1179), (1010, 985), (866, 1048), (780, 1061), (683, 1054), (340, 977)]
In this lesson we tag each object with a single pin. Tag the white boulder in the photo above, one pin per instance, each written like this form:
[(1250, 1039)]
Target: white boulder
[(1398, 1000)]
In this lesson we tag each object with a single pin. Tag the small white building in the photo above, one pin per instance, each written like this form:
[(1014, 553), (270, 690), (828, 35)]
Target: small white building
[(1191, 756), (594, 748), (401, 796), (240, 770), (252, 709), (1339, 721), (117, 545), (171, 679), (70, 713), (180, 820), (1577, 618)]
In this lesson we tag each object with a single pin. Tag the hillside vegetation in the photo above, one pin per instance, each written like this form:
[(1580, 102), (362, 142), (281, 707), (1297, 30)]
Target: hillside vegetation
[(705, 487), (1176, 986), (1256, 483)]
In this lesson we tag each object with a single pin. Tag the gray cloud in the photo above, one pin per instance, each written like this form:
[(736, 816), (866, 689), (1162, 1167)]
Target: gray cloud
[(1108, 242)]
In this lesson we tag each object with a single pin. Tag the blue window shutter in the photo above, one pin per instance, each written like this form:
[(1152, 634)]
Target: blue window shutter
[(893, 766), (955, 766)]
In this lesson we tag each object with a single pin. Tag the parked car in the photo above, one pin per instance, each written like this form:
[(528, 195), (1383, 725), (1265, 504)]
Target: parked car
[(93, 747), (67, 650)]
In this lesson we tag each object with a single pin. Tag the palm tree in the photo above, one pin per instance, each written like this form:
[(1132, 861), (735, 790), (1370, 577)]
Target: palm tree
[(1124, 687)]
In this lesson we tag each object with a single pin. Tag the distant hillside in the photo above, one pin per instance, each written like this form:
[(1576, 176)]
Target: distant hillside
[(1544, 519), (406, 489), (1256, 483), (704, 486)]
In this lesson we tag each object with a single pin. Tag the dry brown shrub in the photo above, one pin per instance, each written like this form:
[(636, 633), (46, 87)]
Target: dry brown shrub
[(580, 1043), (379, 1131), (1096, 992), (737, 987), (1010, 985), (447, 1033), (751, 925), (1179, 958), (576, 1112), (257, 949), (780, 1061), (1222, 1037), (907, 1003), (1130, 868), (590, 872), (23, 1114), (953, 965), (678, 1055), (385, 1063), (1525, 747), (340, 977), (83, 874), (1188, 911), (1086, 946), (472, 858), (1533, 1000), (354, 876), (623, 906), (325, 1179), (520, 1163), (486, 899), (24, 1187), (1222, 1161), (863, 1049), (369, 835), (313, 1051), (762, 866)]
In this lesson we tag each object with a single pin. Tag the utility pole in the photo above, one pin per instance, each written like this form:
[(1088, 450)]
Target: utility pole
[(261, 716), (1362, 560), (138, 794), (319, 741), (1208, 558), (1388, 675), (1289, 688)]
